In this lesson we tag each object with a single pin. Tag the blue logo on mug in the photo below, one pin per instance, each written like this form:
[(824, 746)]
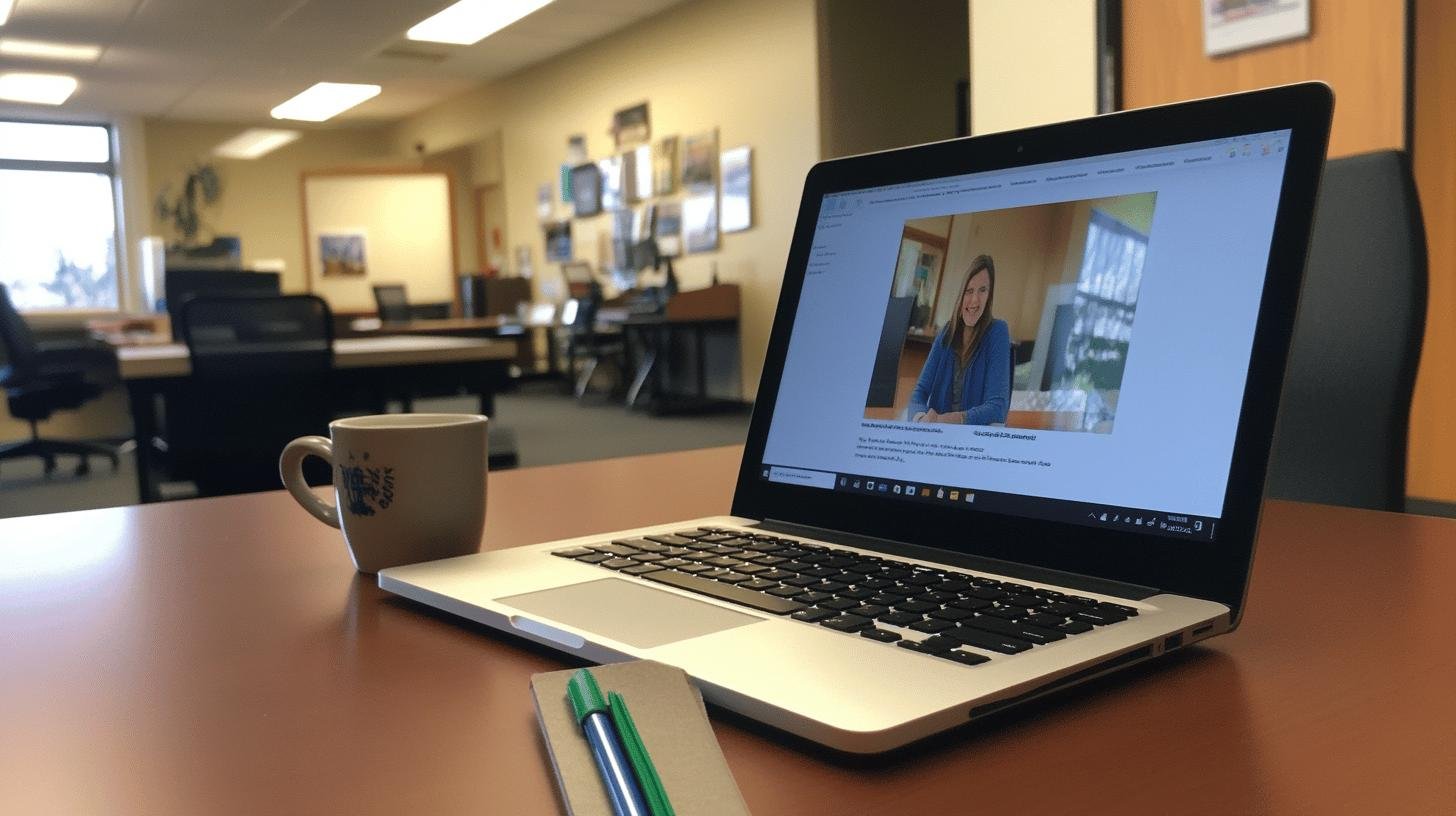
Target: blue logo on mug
[(366, 488)]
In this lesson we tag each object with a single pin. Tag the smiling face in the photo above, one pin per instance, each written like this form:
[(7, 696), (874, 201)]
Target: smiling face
[(974, 297)]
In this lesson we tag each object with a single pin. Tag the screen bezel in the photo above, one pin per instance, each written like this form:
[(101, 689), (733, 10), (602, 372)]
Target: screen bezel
[(1215, 570)]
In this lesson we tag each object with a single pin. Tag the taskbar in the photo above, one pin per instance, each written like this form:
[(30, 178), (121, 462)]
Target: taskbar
[(1132, 519)]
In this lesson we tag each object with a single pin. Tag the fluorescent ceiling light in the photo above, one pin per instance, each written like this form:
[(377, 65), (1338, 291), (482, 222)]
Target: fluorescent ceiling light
[(41, 89), (254, 142), (470, 21), (49, 50), (6, 6), (325, 100)]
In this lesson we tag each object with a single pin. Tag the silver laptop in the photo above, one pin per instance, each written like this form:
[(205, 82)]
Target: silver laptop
[(1011, 433)]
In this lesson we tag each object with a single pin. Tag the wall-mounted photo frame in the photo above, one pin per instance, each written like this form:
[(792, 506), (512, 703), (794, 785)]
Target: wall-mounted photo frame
[(586, 189), (664, 166), (342, 254), (1236, 25), (637, 173), (558, 241), (736, 171), (667, 228), (630, 126), (700, 221), (614, 195), (700, 161)]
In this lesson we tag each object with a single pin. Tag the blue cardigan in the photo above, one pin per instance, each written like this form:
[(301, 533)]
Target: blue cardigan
[(987, 393)]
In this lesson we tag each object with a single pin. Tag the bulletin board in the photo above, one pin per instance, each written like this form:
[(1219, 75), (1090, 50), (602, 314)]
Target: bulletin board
[(364, 228)]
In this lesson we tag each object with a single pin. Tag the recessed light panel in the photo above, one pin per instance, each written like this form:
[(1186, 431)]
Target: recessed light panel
[(69, 52), (39, 89), (325, 101), (255, 142), (6, 6), (470, 21)]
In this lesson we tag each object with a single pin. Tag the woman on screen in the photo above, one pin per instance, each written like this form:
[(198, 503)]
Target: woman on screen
[(967, 377)]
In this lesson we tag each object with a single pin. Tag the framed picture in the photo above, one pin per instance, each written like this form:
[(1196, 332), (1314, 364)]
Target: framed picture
[(664, 165), (700, 161), (637, 173), (735, 168), (544, 205), (667, 228), (586, 189), (342, 254), (700, 221), (576, 149), (1234, 25), (630, 126), (558, 241), (614, 196)]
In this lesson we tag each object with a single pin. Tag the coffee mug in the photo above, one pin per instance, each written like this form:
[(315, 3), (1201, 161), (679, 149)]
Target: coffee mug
[(408, 487)]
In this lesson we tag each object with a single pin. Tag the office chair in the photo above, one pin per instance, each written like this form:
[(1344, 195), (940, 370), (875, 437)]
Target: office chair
[(392, 303), (1345, 411), (261, 371), (584, 341), (40, 378)]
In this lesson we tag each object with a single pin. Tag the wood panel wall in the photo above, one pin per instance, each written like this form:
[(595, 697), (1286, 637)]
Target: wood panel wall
[(1432, 472), (1357, 46)]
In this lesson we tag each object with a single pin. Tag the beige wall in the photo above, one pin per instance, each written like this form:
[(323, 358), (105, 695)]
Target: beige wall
[(261, 200), (1032, 63), (746, 67)]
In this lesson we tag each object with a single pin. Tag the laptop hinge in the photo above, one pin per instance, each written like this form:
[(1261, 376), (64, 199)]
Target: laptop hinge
[(1026, 572)]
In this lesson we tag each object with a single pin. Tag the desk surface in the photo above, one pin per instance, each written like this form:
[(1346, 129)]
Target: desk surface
[(170, 359), (220, 656)]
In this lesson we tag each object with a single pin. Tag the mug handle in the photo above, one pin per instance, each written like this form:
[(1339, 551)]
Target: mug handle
[(290, 467)]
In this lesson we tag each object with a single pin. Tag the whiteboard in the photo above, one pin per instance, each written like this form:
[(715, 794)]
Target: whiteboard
[(407, 229)]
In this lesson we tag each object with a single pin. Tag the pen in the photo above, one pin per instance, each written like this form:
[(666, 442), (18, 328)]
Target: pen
[(642, 765), (591, 711)]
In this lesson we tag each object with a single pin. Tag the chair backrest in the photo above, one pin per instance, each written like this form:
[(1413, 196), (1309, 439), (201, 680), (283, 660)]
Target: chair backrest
[(392, 303), (229, 337), (16, 339), (1345, 411)]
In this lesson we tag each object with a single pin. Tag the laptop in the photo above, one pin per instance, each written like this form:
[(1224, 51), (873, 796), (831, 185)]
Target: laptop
[(1059, 476)]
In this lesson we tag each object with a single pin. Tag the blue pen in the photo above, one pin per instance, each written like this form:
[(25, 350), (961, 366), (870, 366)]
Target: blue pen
[(590, 708)]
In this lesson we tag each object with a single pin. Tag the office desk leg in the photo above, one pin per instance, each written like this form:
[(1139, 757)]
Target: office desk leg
[(644, 371), (141, 401)]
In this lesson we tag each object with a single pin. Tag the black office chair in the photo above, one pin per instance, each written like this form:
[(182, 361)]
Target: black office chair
[(261, 368), (592, 346), (40, 378), (1345, 411), (392, 303)]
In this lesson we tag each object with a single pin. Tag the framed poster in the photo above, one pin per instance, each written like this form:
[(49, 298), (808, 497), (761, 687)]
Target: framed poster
[(736, 171), (1234, 25), (586, 189)]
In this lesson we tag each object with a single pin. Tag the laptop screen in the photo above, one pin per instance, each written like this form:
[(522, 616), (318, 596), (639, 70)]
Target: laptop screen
[(1066, 341)]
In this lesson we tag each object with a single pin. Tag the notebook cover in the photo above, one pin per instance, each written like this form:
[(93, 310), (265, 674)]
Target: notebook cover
[(674, 725)]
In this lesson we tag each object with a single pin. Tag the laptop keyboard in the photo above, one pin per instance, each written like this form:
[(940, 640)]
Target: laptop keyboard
[(953, 615)]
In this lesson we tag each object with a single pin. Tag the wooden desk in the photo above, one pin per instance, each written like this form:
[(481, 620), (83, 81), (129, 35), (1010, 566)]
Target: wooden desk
[(220, 656), (376, 365), (505, 327)]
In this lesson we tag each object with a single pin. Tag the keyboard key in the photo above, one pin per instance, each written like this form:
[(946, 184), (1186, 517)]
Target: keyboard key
[(882, 635), (864, 567), (1024, 600), (846, 623), (768, 560), (1100, 617), (990, 641), (619, 563), (728, 592), (714, 538), (574, 552), (876, 583), (952, 586), (899, 618), (1074, 627), (869, 610), (820, 572), (930, 645), (784, 592), (750, 569), (840, 605), (775, 575), (801, 581), (1009, 613), (671, 563), (621, 550), (830, 586), (723, 550), (968, 658), (915, 606), (595, 558), (972, 604), (646, 545), (931, 626), (723, 561), (812, 597), (641, 569), (951, 614), (647, 557), (936, 598), (671, 540), (758, 584), (883, 600), (1049, 621), (690, 533), (1126, 611), (858, 594), (987, 594), (731, 578), (692, 568), (814, 614), (1025, 631), (921, 579)]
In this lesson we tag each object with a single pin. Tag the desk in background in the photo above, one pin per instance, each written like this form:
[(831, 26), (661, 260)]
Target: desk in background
[(657, 339), (370, 365), (503, 327), (221, 656)]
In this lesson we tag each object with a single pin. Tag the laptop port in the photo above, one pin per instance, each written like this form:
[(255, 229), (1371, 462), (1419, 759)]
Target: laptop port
[(1172, 642), (1203, 630)]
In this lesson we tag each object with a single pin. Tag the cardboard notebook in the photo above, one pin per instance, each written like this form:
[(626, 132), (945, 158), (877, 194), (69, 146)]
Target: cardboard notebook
[(674, 726)]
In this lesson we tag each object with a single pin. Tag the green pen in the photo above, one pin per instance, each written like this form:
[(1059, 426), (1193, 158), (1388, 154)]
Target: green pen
[(642, 766)]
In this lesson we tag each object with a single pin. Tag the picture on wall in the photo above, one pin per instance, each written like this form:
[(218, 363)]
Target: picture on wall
[(586, 189), (637, 171), (613, 195), (667, 228), (565, 184), (543, 201), (736, 172), (1234, 25), (342, 254), (630, 126), (664, 165), (700, 221), (700, 161), (558, 241), (576, 149)]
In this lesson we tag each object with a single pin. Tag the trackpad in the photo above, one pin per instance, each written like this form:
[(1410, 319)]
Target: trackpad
[(623, 611)]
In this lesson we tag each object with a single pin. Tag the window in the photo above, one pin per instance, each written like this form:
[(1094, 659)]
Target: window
[(58, 216)]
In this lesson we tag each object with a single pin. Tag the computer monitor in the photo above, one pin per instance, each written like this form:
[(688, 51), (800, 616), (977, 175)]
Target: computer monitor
[(182, 284)]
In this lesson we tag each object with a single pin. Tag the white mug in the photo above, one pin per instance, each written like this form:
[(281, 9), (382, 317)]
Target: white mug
[(408, 487)]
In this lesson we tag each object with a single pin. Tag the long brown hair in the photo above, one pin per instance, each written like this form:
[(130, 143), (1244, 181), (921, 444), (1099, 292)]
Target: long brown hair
[(954, 337)]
